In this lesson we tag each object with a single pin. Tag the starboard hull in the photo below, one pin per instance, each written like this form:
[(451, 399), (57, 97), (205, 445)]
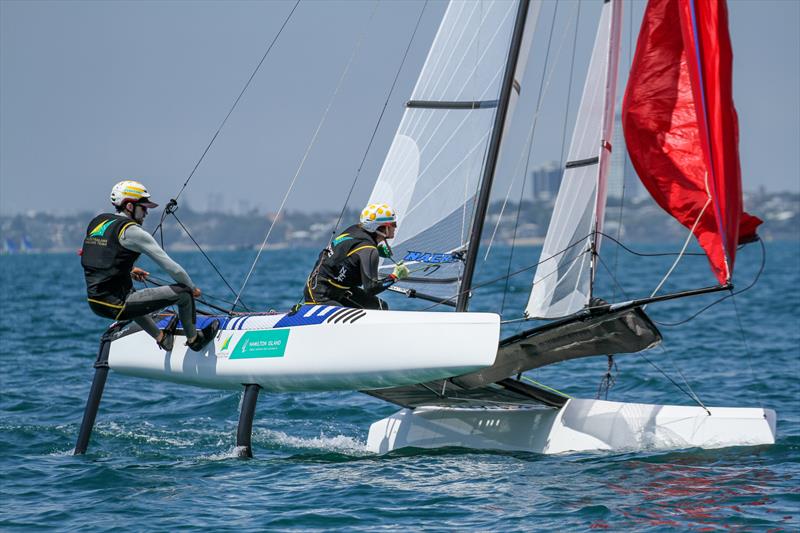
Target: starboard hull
[(579, 426), (319, 348)]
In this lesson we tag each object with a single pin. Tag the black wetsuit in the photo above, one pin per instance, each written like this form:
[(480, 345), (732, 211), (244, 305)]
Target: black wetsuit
[(346, 273)]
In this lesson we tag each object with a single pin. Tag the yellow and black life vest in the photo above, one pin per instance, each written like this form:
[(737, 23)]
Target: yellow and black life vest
[(106, 263), (338, 264)]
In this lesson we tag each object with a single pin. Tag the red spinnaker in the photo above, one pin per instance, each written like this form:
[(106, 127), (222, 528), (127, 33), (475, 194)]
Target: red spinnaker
[(681, 127)]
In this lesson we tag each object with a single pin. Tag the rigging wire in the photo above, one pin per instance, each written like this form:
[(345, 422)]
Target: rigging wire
[(163, 283), (311, 144), (688, 393), (683, 250), (624, 154), (660, 254), (612, 275), (668, 324), (731, 294), (569, 85), (567, 248), (158, 281), (643, 254), (210, 262), (173, 203), (380, 118), (741, 328), (747, 349), (535, 118), (523, 377), (534, 122), (609, 379), (677, 369), (501, 278), (529, 141), (236, 102), (662, 347)]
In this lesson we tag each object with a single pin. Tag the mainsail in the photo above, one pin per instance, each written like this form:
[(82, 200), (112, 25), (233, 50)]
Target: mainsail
[(562, 284), (433, 170), (681, 126)]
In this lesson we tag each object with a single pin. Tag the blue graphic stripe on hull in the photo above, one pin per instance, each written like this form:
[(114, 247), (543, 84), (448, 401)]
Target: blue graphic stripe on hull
[(308, 315)]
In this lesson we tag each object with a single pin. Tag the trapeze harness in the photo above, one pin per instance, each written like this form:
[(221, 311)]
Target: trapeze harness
[(107, 264)]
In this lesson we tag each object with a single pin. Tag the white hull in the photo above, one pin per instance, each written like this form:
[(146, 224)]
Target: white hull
[(579, 426), (320, 350)]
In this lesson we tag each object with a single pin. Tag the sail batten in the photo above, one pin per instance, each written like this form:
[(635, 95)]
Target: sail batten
[(452, 104), (582, 162)]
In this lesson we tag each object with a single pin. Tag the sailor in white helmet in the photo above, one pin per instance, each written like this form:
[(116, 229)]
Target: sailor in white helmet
[(346, 272), (112, 244)]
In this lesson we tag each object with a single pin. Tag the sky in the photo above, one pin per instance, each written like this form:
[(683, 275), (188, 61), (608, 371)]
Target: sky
[(95, 92)]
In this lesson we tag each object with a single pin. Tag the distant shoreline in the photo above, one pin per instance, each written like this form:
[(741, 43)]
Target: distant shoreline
[(525, 225), (525, 243)]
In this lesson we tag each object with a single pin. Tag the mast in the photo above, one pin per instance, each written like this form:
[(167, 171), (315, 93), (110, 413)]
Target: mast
[(482, 203), (612, 62)]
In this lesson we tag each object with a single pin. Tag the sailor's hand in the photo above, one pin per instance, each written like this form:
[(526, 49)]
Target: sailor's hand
[(196, 292), (384, 250), (400, 271), (138, 274)]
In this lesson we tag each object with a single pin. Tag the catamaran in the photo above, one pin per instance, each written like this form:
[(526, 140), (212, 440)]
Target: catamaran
[(463, 385)]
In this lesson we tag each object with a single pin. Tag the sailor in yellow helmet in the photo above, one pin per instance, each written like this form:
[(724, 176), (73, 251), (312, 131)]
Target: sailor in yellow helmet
[(346, 272), (113, 243)]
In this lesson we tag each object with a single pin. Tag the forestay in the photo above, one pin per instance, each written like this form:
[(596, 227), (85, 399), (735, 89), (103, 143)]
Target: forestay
[(432, 172), (562, 284)]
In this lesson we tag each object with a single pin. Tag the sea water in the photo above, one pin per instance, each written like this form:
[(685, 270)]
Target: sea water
[(161, 455)]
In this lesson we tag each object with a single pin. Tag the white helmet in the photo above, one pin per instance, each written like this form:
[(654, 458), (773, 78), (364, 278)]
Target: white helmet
[(131, 191), (376, 215)]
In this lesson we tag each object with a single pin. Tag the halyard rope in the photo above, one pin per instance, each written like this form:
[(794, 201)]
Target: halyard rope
[(311, 144), (380, 118)]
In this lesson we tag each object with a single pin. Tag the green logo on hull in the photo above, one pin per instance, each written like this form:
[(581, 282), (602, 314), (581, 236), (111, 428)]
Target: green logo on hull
[(225, 344), (254, 344)]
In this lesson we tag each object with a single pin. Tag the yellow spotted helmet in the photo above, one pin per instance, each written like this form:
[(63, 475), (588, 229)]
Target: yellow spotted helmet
[(131, 191), (376, 215)]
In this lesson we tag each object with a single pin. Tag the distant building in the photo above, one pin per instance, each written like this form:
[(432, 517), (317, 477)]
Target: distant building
[(545, 181), (622, 178)]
